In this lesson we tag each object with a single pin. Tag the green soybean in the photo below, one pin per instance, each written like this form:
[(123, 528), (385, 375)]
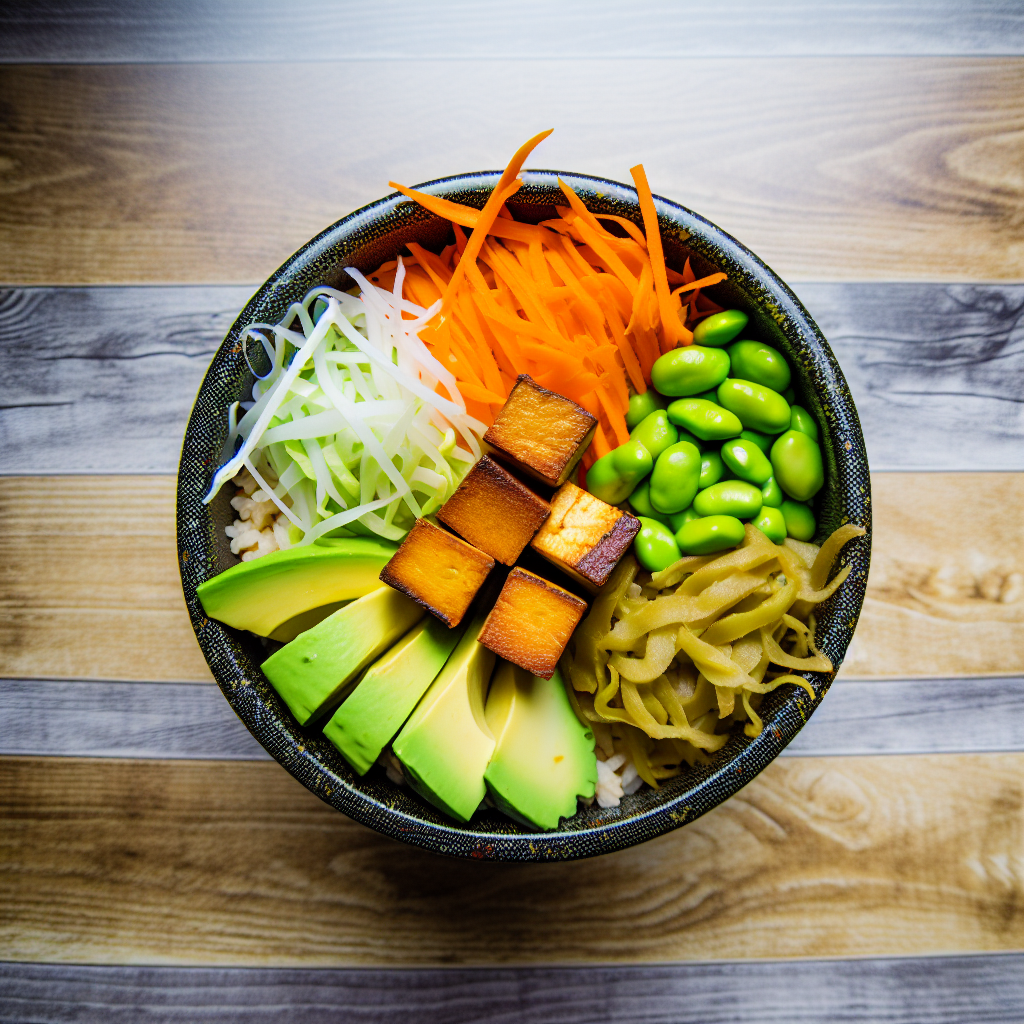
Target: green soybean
[(675, 478), (710, 422), (640, 502), (689, 370), (720, 329), (796, 461), (709, 533), (756, 361), (614, 476), (655, 433), (654, 546), (803, 421), (711, 469), (676, 520), (757, 407), (771, 493), (800, 524), (746, 460), (772, 523), (710, 396), (763, 441), (641, 406), (685, 435), (729, 498), (789, 395)]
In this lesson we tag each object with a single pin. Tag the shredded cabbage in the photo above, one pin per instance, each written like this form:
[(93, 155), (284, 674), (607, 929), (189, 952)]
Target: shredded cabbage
[(349, 431)]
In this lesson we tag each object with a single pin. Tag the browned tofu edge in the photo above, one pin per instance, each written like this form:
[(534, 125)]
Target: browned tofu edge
[(390, 577)]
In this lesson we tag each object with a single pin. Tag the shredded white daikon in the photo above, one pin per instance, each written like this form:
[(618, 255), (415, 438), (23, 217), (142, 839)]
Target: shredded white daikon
[(350, 419)]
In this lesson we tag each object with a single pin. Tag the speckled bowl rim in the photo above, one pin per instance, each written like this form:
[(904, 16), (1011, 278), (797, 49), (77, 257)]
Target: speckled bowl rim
[(372, 234)]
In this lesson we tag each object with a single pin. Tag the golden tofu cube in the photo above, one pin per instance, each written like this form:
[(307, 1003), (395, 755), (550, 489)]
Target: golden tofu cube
[(437, 569), (540, 433), (585, 536), (494, 511), (531, 622)]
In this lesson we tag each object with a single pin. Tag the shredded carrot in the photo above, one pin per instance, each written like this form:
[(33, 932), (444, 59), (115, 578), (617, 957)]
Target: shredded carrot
[(584, 310)]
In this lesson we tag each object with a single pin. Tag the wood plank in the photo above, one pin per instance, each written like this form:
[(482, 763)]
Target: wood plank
[(904, 990), (78, 579), (890, 168), (74, 718), (234, 863), (90, 588), (87, 393), (230, 30)]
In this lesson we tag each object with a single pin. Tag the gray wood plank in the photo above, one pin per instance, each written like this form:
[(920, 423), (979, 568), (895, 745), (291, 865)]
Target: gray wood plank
[(100, 380), (987, 989), (74, 718), (260, 30)]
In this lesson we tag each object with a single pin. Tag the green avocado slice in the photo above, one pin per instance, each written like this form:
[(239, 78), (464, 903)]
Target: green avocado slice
[(264, 594), (312, 671), (446, 744), (544, 756), (388, 691)]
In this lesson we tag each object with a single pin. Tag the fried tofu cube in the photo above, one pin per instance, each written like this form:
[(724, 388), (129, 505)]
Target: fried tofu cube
[(540, 433), (437, 569), (585, 536), (531, 622), (494, 511)]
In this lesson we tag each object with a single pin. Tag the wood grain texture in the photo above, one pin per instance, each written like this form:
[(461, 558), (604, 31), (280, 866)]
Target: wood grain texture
[(74, 718), (101, 380), (232, 30), (865, 168), (90, 588), (935, 990), (234, 863)]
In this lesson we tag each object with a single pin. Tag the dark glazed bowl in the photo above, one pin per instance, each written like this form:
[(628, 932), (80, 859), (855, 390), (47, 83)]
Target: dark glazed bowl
[(367, 238)]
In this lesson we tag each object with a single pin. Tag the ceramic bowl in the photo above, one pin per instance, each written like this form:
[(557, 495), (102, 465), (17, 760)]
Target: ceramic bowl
[(367, 238)]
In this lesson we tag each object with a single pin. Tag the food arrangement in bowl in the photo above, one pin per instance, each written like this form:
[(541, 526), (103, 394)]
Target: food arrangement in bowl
[(534, 528)]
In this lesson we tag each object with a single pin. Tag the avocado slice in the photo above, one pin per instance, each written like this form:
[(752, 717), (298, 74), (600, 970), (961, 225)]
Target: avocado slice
[(264, 594), (388, 691), (544, 756), (446, 744), (311, 672)]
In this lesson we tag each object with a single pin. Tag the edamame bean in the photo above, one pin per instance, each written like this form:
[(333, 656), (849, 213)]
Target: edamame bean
[(757, 407), (729, 498), (655, 547), (746, 460), (796, 461), (708, 421), (685, 435), (709, 533), (756, 361), (614, 476), (711, 469), (803, 421), (640, 502), (789, 395), (763, 441), (655, 433), (720, 329), (641, 406), (800, 524), (689, 370), (772, 523), (675, 477), (710, 396), (676, 521), (771, 493)]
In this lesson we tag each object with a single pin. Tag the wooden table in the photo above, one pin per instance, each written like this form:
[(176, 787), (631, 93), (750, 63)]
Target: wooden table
[(156, 163)]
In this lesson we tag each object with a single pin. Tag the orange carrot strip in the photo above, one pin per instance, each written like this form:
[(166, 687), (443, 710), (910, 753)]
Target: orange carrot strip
[(704, 282), (631, 229), (675, 333)]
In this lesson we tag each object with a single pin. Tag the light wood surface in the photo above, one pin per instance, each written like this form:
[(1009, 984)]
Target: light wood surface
[(94, 718), (235, 863), (84, 365), (90, 587), (898, 990), (213, 173), (261, 30)]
